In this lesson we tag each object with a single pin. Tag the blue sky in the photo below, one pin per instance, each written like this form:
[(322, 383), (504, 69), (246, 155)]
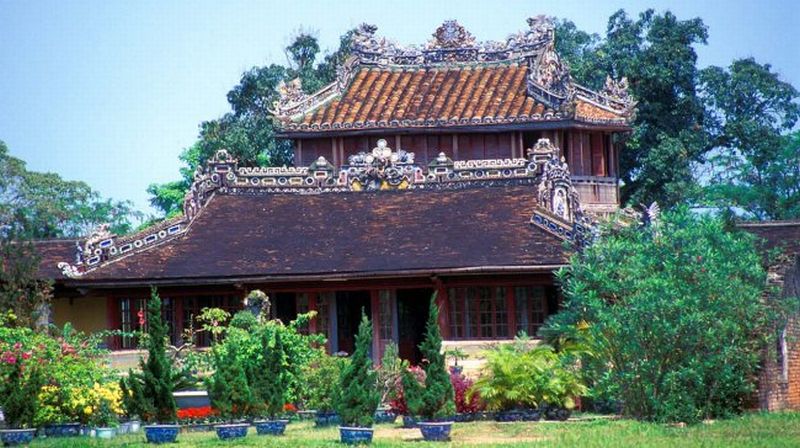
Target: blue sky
[(110, 92)]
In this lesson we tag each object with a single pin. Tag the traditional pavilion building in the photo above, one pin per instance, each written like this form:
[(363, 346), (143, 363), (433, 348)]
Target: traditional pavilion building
[(462, 168)]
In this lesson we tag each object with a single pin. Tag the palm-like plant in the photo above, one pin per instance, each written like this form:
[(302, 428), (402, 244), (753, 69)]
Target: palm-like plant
[(519, 376)]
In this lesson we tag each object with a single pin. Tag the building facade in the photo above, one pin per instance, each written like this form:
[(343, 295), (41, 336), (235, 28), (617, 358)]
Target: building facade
[(463, 168)]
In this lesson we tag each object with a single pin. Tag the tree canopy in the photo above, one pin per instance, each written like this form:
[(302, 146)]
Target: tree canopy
[(43, 205)]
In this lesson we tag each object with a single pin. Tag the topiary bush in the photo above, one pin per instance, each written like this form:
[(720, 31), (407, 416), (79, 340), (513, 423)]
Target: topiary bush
[(228, 388), (359, 397), (321, 393), (435, 399), (270, 380)]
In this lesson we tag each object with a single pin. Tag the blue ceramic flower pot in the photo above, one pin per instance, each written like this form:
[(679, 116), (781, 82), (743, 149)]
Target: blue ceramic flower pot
[(105, 433), (435, 431), (355, 436), (62, 430), (232, 431), (271, 427), (326, 419), (13, 437), (409, 421), (161, 433), (385, 416)]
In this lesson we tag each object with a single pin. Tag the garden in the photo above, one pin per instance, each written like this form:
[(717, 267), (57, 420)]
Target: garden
[(636, 380)]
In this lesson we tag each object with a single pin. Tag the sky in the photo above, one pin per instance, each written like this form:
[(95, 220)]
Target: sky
[(110, 92)]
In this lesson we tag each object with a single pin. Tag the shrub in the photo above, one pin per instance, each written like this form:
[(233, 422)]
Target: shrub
[(519, 375), (399, 405), (20, 383), (150, 391), (270, 381), (435, 399), (359, 396), (674, 312), (228, 388), (390, 374), (322, 390), (465, 402)]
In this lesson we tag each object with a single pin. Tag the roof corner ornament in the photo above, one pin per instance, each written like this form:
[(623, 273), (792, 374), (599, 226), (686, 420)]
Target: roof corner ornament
[(619, 91), (219, 173), (89, 252), (558, 207), (291, 95), (381, 169), (549, 80)]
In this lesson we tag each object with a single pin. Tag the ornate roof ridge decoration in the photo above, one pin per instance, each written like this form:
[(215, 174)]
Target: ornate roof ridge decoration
[(558, 207), (549, 79), (382, 169)]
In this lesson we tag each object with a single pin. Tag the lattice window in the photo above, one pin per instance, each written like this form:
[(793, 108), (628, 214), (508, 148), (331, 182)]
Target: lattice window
[(531, 308)]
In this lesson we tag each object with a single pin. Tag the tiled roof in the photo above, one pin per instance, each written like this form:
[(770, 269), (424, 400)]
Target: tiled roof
[(781, 235), (284, 235), (419, 97)]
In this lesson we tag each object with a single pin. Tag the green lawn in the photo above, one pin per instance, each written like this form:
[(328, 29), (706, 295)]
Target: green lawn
[(757, 430)]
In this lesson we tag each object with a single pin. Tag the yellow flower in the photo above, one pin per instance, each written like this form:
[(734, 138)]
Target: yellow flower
[(87, 410)]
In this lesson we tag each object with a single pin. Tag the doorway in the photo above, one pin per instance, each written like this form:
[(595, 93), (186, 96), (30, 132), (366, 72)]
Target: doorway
[(348, 315), (412, 314)]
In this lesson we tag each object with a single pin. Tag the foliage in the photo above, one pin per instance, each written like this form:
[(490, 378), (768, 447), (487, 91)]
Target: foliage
[(248, 131), (466, 402), (104, 404), (151, 389), (22, 292), (456, 354), (201, 414), (228, 387), (271, 379), (754, 166), (212, 320), (399, 405), (435, 399), (359, 397), (390, 373), (43, 205), (321, 393), (20, 382), (523, 375), (674, 315)]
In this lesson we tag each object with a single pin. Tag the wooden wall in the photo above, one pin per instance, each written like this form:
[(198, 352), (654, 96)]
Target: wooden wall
[(589, 153)]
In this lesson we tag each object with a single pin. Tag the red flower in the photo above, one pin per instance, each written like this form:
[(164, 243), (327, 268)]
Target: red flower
[(289, 407), (196, 413)]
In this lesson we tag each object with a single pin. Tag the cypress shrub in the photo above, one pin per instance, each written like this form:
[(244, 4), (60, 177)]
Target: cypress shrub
[(359, 396), (434, 400), (228, 388), (270, 381), (152, 389)]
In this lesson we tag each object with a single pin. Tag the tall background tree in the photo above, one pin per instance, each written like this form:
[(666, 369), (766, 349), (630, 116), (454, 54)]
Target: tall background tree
[(248, 131)]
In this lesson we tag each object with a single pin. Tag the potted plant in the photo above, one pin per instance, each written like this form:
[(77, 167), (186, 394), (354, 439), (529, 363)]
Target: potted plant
[(20, 383), (457, 355), (54, 415), (390, 374), (518, 381), (230, 394), (433, 402), (150, 391), (271, 384), (359, 396), (105, 409), (321, 391)]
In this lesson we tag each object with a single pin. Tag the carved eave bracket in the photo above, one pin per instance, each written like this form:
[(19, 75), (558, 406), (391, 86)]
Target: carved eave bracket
[(558, 208)]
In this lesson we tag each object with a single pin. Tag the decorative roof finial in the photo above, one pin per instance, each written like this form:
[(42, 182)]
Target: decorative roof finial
[(451, 34)]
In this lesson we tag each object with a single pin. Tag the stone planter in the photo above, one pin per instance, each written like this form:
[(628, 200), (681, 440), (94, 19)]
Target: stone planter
[(355, 436), (197, 427), (62, 430), (306, 415), (557, 414), (13, 437), (231, 431), (435, 431), (326, 418), (385, 416), (136, 426), (161, 433), (105, 433), (271, 427), (124, 428), (409, 421), (518, 415)]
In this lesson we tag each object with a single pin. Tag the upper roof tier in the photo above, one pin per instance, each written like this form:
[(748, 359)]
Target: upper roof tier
[(452, 81)]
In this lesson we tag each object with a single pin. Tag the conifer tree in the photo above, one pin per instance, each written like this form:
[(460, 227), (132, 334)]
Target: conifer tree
[(360, 396), (228, 388), (436, 399), (153, 387), (271, 379)]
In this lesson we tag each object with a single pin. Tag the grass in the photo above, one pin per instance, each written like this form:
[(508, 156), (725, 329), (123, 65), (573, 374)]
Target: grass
[(754, 430)]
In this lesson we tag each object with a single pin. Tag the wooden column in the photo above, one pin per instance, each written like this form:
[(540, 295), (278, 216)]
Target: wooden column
[(511, 309), (312, 306), (375, 305)]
